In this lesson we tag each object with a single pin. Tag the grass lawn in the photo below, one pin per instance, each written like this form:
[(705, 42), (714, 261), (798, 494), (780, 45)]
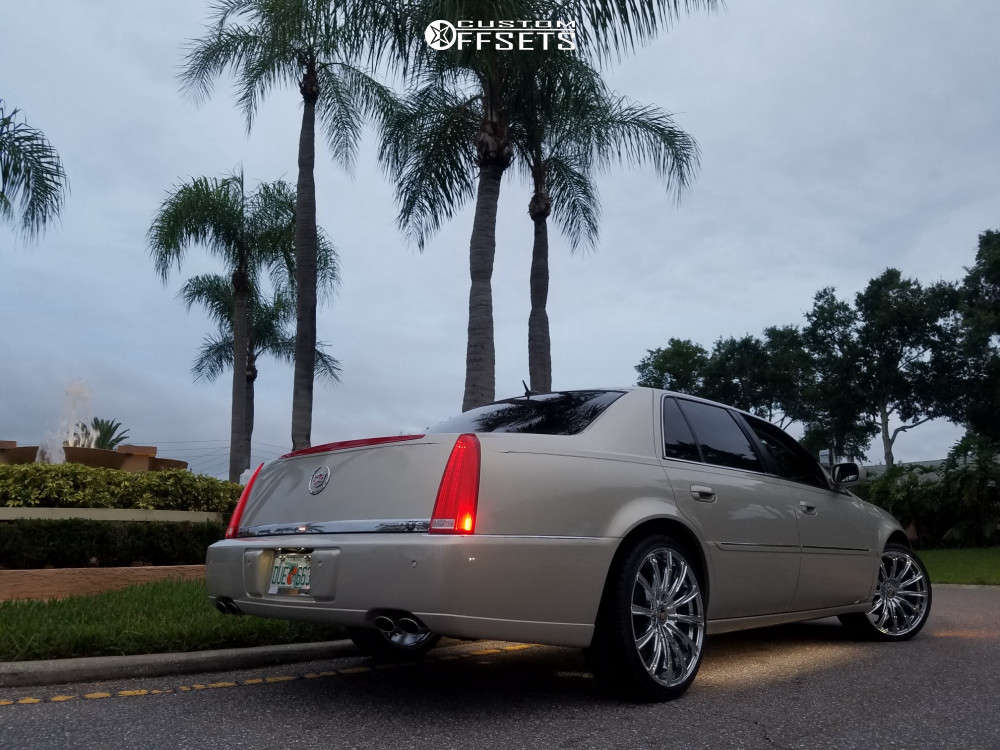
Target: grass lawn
[(976, 565), (152, 617)]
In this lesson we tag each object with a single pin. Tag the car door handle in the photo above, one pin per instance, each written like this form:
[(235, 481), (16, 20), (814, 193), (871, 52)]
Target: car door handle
[(807, 509), (702, 493)]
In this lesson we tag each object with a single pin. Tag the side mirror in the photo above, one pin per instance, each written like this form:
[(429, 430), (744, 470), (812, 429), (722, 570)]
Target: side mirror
[(846, 474)]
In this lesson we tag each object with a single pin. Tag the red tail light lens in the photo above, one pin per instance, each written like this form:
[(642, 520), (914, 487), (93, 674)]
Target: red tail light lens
[(458, 495), (327, 447), (234, 522)]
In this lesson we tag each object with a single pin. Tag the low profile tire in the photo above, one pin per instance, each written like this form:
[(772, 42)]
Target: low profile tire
[(650, 632), (901, 602), (395, 646)]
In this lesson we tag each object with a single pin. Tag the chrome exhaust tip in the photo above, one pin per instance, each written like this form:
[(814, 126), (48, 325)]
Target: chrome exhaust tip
[(411, 626), (385, 624), (233, 609), (221, 606)]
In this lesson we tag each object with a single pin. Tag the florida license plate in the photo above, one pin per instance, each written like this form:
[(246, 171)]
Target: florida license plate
[(290, 574)]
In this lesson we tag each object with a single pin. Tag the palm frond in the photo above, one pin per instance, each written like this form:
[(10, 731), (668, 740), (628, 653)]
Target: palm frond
[(427, 150), (348, 98), (212, 291), (31, 175), (575, 204), (215, 355)]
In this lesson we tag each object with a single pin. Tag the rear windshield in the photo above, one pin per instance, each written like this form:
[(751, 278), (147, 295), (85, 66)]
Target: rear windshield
[(564, 413)]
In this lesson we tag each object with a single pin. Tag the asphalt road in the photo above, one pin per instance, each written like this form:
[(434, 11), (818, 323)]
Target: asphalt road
[(799, 686)]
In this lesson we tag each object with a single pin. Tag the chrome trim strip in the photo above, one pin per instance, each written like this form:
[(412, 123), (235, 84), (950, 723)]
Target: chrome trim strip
[(757, 544), (836, 549), (381, 526)]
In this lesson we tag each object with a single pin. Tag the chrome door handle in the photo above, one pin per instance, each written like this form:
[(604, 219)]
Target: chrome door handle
[(807, 509), (702, 493)]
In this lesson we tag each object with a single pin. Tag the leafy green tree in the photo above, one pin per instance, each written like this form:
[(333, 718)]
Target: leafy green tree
[(836, 398), (269, 331), (313, 45), (679, 366), (899, 322), (251, 233), (454, 136), (33, 183), (966, 367)]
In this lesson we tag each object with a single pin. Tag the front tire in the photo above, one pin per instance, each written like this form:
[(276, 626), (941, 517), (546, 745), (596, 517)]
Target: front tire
[(650, 633), (901, 602), (395, 646)]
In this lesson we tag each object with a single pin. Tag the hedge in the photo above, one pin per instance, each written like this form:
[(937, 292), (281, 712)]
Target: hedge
[(81, 543), (78, 486)]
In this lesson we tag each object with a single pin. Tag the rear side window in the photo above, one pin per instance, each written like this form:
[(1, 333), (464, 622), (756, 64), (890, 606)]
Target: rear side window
[(564, 413), (791, 460), (720, 437), (678, 442)]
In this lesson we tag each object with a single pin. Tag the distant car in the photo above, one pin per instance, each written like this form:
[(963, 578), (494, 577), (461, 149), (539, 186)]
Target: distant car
[(627, 522)]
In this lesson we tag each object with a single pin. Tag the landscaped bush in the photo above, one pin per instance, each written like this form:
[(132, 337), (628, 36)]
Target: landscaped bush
[(957, 505), (78, 486), (80, 543)]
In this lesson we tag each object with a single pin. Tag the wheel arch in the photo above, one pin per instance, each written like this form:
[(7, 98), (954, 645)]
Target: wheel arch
[(898, 537), (672, 527)]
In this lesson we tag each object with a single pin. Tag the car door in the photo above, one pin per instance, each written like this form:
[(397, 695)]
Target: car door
[(835, 531), (750, 532)]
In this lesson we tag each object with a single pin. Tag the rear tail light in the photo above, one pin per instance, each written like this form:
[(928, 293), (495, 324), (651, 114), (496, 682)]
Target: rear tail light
[(327, 447), (458, 495), (234, 522)]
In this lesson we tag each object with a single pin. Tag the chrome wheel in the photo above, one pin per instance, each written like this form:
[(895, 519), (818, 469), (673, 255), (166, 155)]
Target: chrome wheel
[(901, 594), (668, 619)]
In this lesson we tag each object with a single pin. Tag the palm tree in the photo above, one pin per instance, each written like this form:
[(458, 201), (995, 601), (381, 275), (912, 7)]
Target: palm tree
[(452, 137), (311, 44), (268, 332), (250, 233), (31, 175), (568, 124)]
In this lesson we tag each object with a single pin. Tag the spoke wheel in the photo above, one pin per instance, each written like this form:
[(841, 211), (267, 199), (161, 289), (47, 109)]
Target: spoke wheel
[(668, 624), (902, 594), (650, 631), (901, 601)]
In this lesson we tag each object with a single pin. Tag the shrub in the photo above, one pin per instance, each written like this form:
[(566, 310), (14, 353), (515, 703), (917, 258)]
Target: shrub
[(81, 543), (959, 505), (78, 486)]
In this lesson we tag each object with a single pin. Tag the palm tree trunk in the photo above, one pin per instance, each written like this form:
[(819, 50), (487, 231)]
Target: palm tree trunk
[(239, 440), (480, 353), (305, 267), (251, 375), (539, 344)]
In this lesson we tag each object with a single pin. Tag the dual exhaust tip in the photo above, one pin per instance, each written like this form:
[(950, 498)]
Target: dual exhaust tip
[(227, 606), (406, 623)]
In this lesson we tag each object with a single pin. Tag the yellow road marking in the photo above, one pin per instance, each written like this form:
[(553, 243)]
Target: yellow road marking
[(281, 678), (6, 703), (221, 684), (29, 700), (487, 651), (61, 698), (355, 670), (184, 688), (95, 696), (253, 681), (518, 646), (129, 693)]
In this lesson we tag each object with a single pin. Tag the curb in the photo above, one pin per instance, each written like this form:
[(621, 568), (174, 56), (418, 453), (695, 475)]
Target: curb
[(100, 668)]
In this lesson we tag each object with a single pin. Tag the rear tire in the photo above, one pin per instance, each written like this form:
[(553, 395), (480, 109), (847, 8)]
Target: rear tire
[(650, 632), (901, 602), (384, 647)]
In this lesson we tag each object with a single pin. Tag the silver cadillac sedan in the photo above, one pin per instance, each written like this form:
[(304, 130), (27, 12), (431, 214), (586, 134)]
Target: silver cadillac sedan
[(628, 522)]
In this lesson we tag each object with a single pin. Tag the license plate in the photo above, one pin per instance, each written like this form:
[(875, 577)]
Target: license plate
[(290, 574)]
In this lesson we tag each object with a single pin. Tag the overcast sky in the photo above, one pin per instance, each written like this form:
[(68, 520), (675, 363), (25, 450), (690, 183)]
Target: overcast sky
[(837, 139)]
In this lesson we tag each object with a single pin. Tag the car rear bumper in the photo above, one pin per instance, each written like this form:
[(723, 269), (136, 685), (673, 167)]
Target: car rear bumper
[(521, 588)]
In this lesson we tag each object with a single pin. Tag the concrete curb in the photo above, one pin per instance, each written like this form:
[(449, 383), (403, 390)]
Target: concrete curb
[(100, 668)]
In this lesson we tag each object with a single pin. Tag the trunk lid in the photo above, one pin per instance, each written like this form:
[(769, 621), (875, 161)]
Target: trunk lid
[(379, 487)]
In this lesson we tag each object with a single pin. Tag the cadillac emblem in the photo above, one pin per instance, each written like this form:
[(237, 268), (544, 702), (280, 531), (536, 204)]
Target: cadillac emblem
[(319, 480)]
